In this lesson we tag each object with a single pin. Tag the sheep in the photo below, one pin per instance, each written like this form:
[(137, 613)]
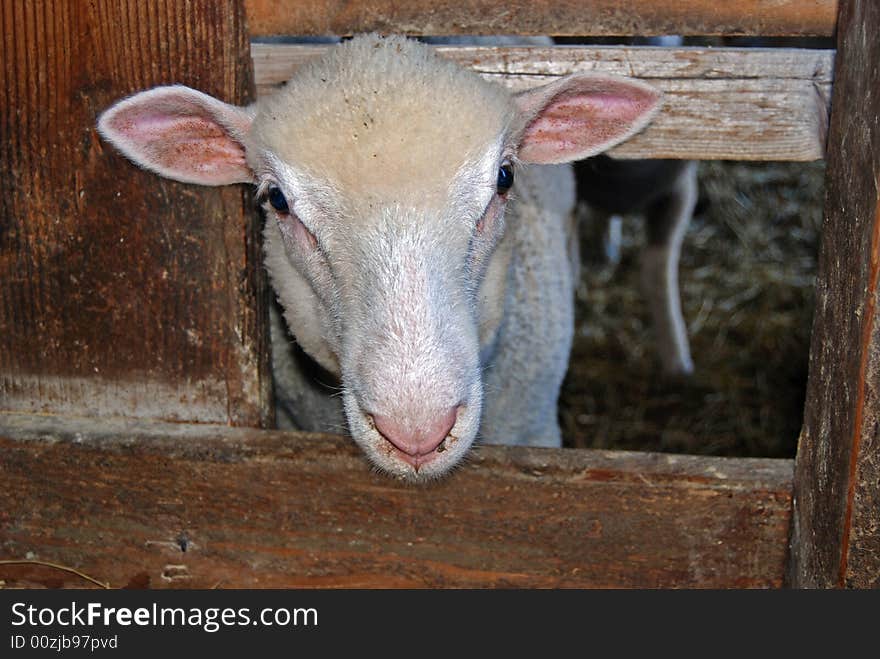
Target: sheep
[(665, 193), (409, 267)]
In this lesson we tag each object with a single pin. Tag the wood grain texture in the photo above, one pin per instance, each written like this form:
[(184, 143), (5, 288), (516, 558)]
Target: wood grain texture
[(121, 293), (724, 103), (553, 17), (836, 532), (171, 505)]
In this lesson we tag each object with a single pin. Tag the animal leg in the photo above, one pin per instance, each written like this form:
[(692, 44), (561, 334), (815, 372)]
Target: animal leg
[(666, 222)]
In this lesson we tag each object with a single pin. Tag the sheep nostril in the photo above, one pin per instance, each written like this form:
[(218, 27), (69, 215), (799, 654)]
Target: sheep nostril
[(421, 443)]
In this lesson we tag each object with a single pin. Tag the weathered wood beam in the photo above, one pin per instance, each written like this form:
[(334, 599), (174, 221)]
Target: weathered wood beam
[(836, 532), (165, 505), (554, 17), (725, 103), (122, 293)]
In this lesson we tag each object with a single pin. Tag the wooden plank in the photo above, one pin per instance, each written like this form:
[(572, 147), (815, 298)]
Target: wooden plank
[(554, 17), (195, 506), (719, 103), (121, 293), (837, 485)]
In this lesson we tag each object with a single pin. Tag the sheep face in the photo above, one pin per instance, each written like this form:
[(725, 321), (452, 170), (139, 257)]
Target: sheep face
[(385, 173)]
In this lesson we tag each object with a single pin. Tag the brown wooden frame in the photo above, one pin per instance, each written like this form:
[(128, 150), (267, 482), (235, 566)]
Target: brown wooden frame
[(556, 17), (836, 529), (122, 294), (98, 353)]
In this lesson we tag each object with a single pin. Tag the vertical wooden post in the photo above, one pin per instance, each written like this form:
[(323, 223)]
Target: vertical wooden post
[(121, 293), (836, 521)]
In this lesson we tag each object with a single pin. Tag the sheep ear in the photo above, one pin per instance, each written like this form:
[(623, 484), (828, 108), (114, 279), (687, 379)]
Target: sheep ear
[(182, 134), (582, 115)]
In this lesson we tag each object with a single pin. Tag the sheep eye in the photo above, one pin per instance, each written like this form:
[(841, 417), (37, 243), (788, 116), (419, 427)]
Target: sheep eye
[(276, 198), (505, 178)]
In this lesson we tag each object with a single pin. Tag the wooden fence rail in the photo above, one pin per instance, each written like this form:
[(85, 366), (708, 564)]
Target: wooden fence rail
[(170, 505), (556, 17)]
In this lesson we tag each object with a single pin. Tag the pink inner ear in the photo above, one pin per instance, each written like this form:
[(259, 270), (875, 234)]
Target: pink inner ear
[(193, 147), (584, 120), (174, 132)]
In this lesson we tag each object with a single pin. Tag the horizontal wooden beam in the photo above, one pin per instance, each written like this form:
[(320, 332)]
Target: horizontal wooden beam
[(165, 505), (724, 103), (554, 17)]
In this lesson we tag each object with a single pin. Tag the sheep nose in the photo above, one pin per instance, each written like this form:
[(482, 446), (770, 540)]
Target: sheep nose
[(419, 445)]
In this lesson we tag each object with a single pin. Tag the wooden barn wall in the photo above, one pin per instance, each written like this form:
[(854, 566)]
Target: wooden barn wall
[(121, 293)]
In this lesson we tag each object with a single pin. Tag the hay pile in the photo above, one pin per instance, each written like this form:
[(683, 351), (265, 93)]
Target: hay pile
[(747, 271)]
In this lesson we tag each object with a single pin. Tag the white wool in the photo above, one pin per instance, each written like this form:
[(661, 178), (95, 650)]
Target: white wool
[(383, 119)]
